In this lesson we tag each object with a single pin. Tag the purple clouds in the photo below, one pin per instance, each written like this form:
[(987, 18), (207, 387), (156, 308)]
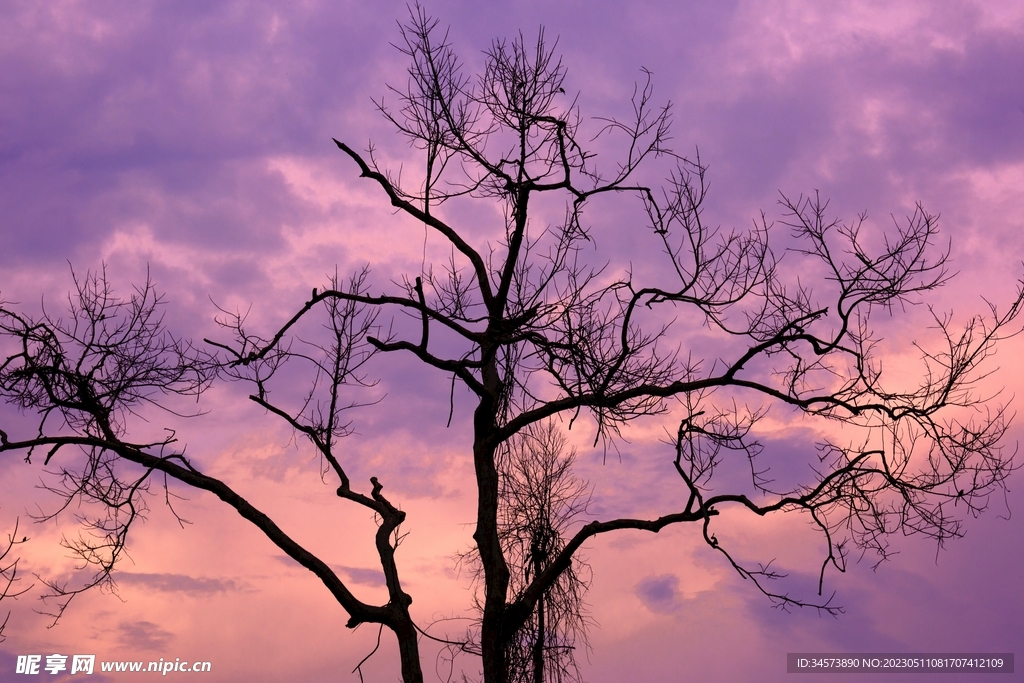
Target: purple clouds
[(196, 138)]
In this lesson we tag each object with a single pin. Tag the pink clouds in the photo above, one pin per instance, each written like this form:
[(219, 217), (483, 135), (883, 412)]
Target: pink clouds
[(196, 138)]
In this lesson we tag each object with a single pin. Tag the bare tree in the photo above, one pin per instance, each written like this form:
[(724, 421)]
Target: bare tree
[(535, 329), (541, 499)]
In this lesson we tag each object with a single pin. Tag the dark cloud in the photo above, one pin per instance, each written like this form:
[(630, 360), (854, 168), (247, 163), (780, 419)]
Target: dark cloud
[(361, 575), (178, 583), (142, 635), (365, 576), (660, 593)]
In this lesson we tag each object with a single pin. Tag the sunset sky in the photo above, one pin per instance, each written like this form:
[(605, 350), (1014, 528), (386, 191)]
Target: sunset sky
[(193, 139)]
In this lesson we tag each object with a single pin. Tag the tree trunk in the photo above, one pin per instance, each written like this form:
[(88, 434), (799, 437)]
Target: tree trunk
[(409, 652), (496, 576)]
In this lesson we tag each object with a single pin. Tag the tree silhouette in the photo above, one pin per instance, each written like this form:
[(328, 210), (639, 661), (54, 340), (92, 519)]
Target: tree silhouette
[(543, 331), (540, 501)]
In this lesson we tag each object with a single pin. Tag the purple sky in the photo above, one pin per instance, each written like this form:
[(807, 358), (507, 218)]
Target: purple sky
[(195, 138)]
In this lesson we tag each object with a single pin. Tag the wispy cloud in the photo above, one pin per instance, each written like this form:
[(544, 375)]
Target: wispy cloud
[(179, 583), (143, 635)]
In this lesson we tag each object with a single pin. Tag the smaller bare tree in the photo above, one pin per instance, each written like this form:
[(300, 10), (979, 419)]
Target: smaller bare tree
[(541, 499)]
